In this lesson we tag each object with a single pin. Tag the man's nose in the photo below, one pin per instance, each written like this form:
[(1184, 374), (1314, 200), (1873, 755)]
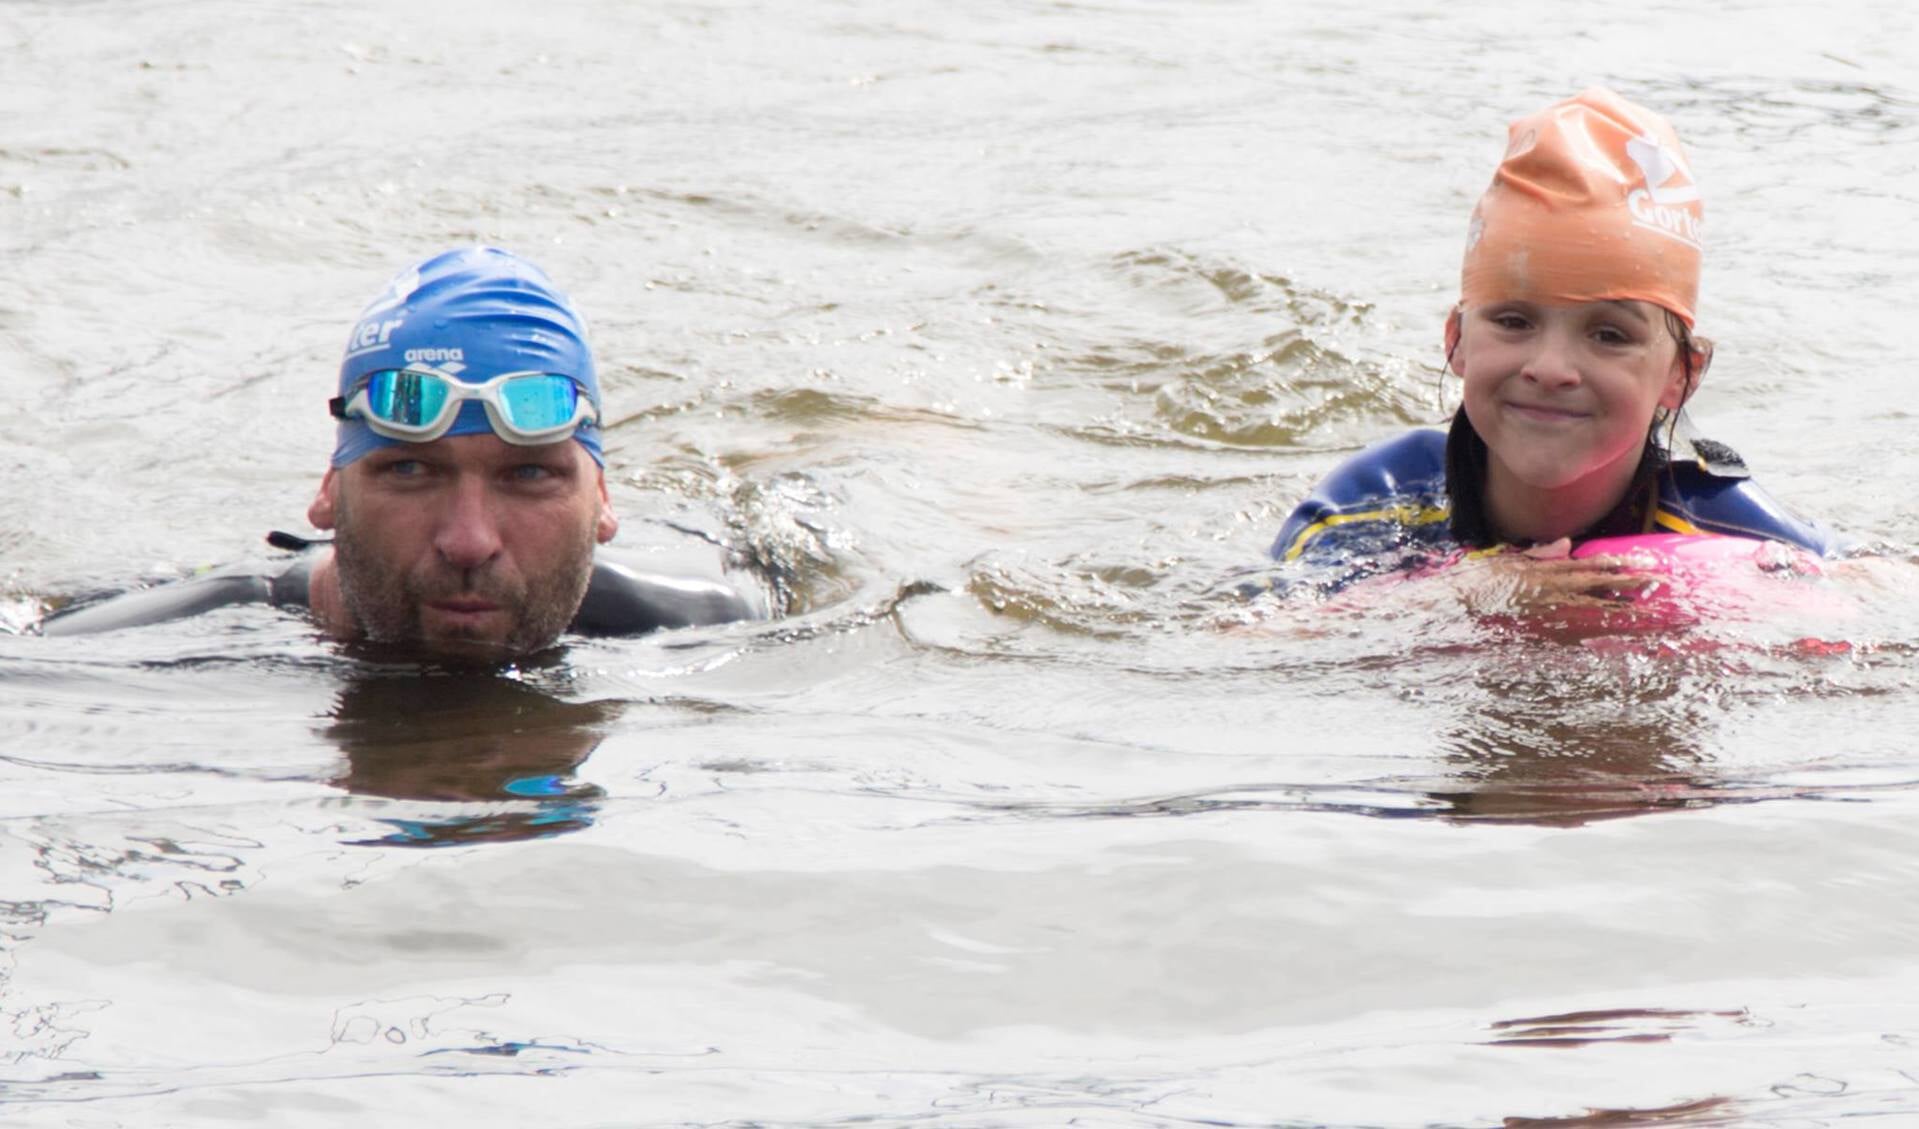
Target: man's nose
[(467, 536)]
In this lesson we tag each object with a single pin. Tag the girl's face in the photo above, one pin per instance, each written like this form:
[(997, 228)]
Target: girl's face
[(1563, 395)]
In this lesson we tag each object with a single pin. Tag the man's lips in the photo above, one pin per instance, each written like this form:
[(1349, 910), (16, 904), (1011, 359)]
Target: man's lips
[(464, 605)]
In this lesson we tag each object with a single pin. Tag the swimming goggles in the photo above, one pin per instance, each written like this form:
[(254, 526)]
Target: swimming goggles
[(525, 408)]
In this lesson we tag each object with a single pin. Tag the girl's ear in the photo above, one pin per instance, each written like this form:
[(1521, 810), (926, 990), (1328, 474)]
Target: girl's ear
[(1681, 384), (1452, 342)]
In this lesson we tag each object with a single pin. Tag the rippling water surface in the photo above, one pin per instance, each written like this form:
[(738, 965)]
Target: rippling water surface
[(998, 338)]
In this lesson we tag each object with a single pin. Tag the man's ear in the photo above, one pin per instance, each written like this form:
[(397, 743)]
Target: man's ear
[(608, 523), (1453, 328), (321, 513)]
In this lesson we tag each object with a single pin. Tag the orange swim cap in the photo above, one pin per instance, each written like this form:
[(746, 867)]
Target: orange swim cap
[(1594, 201)]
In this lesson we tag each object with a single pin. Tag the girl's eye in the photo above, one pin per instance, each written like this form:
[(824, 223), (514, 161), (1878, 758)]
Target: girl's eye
[(1509, 320), (1611, 335)]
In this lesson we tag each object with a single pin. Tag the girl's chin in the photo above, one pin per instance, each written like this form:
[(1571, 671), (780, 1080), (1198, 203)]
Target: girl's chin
[(1548, 483), (1542, 474)]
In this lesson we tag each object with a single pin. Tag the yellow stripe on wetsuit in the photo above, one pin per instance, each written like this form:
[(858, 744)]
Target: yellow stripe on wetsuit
[(1666, 519), (1404, 514)]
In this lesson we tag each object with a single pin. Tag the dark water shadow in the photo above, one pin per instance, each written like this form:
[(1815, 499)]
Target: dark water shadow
[(497, 753)]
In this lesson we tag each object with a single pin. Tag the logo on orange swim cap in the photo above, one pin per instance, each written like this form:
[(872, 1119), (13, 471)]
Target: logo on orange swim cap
[(1594, 201)]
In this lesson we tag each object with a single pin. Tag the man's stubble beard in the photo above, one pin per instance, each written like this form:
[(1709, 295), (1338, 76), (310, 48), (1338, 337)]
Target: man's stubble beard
[(388, 604)]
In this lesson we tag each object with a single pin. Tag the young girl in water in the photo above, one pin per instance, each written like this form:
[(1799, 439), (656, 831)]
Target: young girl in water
[(1573, 336)]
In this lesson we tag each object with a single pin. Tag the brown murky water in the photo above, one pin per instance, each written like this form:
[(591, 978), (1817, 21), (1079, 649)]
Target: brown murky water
[(1000, 337)]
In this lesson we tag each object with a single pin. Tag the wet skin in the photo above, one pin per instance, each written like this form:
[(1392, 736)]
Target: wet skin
[(1564, 397), (468, 547)]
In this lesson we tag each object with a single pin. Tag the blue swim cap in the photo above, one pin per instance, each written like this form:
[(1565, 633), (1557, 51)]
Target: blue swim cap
[(471, 314)]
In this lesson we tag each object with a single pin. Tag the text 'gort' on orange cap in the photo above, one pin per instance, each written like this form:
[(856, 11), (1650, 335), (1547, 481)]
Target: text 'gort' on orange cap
[(1594, 201)]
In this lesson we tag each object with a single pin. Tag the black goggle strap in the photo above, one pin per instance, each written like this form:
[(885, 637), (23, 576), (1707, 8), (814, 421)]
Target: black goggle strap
[(280, 539)]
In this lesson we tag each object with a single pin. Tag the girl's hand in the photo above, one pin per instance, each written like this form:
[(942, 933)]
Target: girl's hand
[(1545, 578), (1555, 551)]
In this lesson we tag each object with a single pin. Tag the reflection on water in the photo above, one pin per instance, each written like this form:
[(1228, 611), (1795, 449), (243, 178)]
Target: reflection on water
[(1705, 1111), (499, 754), (1613, 1025), (1561, 736)]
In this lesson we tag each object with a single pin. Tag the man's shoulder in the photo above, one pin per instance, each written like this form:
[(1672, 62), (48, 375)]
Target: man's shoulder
[(278, 581), (632, 592)]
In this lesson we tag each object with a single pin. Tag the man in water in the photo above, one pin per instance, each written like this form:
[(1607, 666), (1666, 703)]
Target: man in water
[(466, 492)]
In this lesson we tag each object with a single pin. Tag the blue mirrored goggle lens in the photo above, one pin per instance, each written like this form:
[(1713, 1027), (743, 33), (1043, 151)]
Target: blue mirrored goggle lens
[(533, 403), (410, 399), (536, 403)]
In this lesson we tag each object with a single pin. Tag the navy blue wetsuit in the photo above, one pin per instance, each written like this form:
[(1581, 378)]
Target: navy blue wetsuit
[(1387, 508)]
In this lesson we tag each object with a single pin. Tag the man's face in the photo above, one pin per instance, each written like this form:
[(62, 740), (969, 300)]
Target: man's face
[(469, 546)]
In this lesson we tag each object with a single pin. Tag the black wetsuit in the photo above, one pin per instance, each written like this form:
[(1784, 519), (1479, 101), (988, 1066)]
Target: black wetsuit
[(622, 598)]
